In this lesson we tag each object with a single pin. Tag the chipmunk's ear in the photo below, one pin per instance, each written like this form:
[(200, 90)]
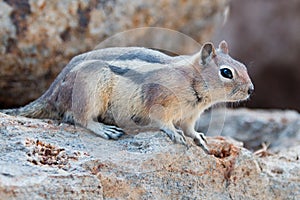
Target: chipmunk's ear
[(207, 51), (223, 47)]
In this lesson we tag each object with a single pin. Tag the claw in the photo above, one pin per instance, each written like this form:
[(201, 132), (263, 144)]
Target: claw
[(176, 136), (113, 132), (105, 131), (202, 143), (203, 137)]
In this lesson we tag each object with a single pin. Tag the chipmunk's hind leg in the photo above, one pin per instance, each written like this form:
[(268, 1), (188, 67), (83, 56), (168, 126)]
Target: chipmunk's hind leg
[(90, 97)]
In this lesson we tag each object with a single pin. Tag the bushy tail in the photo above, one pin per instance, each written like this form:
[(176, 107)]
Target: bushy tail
[(35, 109)]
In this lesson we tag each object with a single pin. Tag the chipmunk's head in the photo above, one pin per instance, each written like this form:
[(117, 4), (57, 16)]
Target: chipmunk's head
[(226, 78)]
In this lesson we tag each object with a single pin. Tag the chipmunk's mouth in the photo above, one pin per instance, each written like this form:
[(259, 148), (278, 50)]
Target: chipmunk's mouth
[(238, 97), (241, 93)]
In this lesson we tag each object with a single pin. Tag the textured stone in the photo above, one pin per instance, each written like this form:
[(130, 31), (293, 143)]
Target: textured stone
[(279, 129), (41, 159), (39, 37)]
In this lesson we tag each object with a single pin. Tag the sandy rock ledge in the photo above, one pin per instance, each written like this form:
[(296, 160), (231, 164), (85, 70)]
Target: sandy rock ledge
[(41, 159)]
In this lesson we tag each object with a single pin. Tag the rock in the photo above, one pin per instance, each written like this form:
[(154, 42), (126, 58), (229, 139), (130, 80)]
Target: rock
[(265, 36), (41, 159), (279, 129), (39, 37)]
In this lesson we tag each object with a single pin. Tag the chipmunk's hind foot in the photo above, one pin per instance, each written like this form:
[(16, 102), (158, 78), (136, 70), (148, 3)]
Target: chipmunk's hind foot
[(105, 131), (113, 132)]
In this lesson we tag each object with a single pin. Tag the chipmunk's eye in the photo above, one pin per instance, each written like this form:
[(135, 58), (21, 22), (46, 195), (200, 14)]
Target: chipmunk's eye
[(226, 73)]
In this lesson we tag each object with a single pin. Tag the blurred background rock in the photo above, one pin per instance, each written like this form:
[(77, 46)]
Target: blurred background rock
[(39, 37), (265, 35)]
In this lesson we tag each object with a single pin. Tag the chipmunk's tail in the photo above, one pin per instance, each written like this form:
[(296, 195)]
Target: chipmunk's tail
[(35, 109)]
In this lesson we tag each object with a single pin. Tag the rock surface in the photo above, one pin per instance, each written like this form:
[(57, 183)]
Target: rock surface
[(274, 127), (39, 37), (41, 159)]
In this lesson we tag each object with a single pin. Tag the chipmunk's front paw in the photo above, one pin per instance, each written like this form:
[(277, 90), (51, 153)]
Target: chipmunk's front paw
[(176, 136), (200, 140)]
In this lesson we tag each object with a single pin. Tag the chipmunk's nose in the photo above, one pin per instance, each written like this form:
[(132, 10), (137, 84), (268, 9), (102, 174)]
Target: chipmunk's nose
[(251, 90)]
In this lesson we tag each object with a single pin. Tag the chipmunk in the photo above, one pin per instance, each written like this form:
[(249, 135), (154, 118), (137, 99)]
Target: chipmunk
[(115, 90)]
